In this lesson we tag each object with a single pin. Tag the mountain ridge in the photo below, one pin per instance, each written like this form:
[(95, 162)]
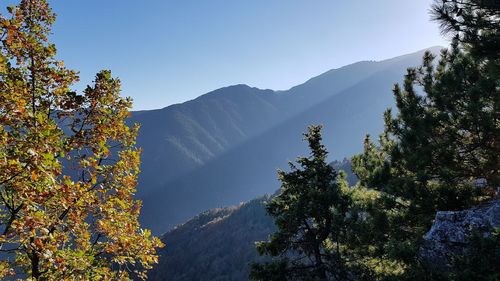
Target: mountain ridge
[(186, 167)]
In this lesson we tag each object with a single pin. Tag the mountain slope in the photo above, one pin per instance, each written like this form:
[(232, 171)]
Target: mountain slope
[(215, 245), (181, 137), (220, 244), (226, 146)]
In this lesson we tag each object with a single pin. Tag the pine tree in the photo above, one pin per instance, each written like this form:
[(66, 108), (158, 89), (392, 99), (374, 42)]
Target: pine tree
[(310, 213), (473, 22), (439, 152), (68, 165)]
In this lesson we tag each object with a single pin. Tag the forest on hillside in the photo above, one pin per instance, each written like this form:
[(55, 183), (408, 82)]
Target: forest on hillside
[(420, 201), (439, 151)]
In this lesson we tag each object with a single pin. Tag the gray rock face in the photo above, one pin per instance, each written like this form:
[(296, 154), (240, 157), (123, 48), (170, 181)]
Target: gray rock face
[(450, 234)]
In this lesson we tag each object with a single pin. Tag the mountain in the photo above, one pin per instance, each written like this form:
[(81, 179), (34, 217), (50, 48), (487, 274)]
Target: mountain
[(220, 244), (224, 147), (181, 137), (215, 245)]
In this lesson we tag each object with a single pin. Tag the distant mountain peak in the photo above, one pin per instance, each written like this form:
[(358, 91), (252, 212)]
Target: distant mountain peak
[(238, 89), (434, 49), (225, 146)]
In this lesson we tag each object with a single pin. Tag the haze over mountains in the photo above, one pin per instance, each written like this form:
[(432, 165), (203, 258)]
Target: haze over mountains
[(225, 146)]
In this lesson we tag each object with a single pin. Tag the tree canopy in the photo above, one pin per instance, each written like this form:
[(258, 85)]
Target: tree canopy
[(473, 22), (439, 152), (68, 165), (310, 212)]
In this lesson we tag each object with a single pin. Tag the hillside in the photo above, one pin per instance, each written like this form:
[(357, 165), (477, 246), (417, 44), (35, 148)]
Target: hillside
[(228, 144), (220, 244), (215, 245), (181, 137)]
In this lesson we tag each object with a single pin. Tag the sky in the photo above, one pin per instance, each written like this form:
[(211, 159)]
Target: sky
[(171, 51)]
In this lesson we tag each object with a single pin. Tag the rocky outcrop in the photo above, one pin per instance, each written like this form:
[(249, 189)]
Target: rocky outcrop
[(452, 230)]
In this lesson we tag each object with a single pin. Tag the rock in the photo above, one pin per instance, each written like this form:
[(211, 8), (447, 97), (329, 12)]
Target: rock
[(451, 231)]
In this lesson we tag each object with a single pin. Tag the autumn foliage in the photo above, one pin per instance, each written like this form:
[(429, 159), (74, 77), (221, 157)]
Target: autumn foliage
[(68, 165)]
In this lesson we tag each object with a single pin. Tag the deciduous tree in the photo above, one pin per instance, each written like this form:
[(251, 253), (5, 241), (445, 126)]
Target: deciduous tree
[(68, 165)]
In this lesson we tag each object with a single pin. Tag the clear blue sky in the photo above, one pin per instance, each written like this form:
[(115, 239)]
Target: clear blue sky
[(170, 51)]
